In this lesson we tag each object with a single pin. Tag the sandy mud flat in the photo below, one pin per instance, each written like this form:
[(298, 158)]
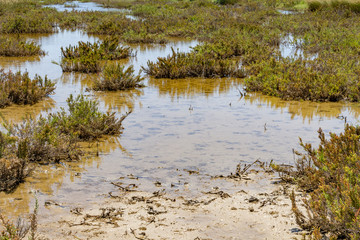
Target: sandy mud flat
[(255, 211)]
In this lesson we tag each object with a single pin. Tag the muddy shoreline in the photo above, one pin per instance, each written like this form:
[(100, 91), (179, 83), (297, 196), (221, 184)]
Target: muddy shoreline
[(255, 211)]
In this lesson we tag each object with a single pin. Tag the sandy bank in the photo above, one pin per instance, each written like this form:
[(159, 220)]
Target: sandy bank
[(258, 212)]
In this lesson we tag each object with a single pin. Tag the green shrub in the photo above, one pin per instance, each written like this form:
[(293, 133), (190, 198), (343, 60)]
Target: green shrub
[(220, 49), (315, 5), (41, 141), (31, 21), (115, 77), (15, 47), (13, 171), (182, 65), (335, 5), (331, 173), (86, 57), (110, 24), (84, 121), (345, 5), (315, 80), (226, 2), (355, 7), (52, 139), (19, 88), (71, 20)]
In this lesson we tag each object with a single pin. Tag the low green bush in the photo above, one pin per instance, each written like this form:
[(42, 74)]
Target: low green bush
[(84, 121), (226, 2), (115, 77), (86, 57), (182, 65), (19, 88), (315, 5), (31, 21), (352, 6), (39, 140), (52, 139), (315, 80), (110, 24), (16, 47), (13, 171), (331, 175)]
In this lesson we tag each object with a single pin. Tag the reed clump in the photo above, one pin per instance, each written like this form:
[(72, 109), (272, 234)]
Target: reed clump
[(87, 57), (182, 65), (19, 88), (330, 173), (115, 77), (19, 47)]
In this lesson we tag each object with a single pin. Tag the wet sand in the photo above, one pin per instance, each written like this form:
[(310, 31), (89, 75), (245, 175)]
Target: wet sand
[(260, 209)]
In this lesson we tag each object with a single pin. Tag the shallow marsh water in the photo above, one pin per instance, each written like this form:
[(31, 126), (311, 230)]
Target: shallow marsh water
[(88, 7), (176, 125), (82, 7)]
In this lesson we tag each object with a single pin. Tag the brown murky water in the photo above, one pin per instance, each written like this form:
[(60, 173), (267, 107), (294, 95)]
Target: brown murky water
[(194, 124)]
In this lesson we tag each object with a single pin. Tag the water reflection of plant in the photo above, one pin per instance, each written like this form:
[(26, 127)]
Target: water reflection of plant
[(191, 87), (18, 231), (307, 110), (120, 100), (85, 80), (16, 113), (95, 149), (49, 179)]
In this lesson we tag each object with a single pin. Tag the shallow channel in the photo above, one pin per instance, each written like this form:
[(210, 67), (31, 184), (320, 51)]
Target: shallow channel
[(203, 125)]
